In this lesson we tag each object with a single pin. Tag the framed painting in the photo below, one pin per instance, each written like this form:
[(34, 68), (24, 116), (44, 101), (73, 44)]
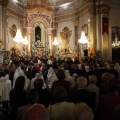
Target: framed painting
[(115, 33)]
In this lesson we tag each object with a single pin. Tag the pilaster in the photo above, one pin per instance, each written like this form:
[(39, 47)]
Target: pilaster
[(50, 37), (102, 23), (4, 21), (0, 21), (92, 26), (76, 23), (29, 36)]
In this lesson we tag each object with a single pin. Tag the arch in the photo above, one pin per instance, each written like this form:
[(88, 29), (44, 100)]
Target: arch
[(40, 19), (41, 32)]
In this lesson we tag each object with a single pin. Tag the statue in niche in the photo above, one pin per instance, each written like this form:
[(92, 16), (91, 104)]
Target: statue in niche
[(38, 34), (13, 30)]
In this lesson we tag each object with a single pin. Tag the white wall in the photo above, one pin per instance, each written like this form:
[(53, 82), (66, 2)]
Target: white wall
[(11, 43), (83, 20)]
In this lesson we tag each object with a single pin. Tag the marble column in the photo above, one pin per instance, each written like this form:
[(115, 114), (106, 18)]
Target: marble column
[(29, 36), (0, 20), (92, 26), (102, 12), (99, 28), (50, 37), (4, 21), (76, 23)]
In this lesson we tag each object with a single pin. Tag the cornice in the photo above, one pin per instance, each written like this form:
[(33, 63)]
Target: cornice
[(15, 14)]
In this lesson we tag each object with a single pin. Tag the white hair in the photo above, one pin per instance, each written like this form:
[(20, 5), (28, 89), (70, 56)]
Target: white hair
[(81, 82)]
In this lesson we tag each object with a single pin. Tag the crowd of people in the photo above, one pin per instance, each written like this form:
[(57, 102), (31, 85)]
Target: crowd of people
[(42, 88)]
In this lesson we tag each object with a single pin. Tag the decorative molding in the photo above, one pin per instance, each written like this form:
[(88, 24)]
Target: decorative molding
[(102, 9), (37, 14), (76, 21)]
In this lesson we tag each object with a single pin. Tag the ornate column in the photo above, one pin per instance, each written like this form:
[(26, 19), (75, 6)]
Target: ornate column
[(29, 35), (98, 28), (4, 21), (76, 23), (0, 19), (102, 29), (50, 37), (92, 27)]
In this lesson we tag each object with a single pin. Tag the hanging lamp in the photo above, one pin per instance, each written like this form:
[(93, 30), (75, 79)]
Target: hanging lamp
[(55, 42), (83, 39), (25, 41), (18, 38)]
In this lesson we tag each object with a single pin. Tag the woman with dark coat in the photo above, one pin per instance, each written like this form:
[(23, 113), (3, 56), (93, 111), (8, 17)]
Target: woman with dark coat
[(17, 97)]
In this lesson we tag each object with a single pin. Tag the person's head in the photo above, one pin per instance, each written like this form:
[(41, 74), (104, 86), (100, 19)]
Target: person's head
[(59, 94), (38, 83), (31, 64), (17, 64), (38, 75), (92, 79), (60, 74), (32, 96), (106, 77), (36, 112), (81, 82), (83, 112), (117, 112), (20, 82)]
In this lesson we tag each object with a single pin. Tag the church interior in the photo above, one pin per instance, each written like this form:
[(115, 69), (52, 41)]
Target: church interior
[(59, 59), (62, 28)]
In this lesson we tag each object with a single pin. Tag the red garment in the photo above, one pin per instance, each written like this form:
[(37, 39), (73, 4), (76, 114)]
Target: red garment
[(103, 88), (107, 104), (62, 83), (38, 69)]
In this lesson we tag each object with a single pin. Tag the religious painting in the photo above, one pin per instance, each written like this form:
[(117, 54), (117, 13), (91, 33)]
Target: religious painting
[(115, 33)]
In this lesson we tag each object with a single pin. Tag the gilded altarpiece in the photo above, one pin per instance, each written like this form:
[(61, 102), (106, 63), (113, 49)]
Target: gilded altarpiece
[(65, 35)]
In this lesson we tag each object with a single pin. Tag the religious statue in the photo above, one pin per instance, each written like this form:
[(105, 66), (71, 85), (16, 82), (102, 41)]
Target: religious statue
[(65, 35)]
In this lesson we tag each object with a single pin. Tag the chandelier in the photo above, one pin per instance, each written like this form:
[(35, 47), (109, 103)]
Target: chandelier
[(116, 43), (83, 39), (18, 37), (55, 42), (25, 41)]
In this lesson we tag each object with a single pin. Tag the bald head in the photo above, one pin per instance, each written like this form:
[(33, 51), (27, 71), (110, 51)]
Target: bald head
[(83, 112), (36, 112)]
